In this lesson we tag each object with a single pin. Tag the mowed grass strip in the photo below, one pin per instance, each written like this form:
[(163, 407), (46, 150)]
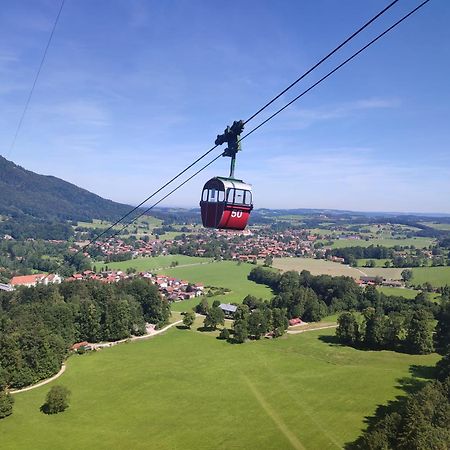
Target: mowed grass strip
[(184, 390)]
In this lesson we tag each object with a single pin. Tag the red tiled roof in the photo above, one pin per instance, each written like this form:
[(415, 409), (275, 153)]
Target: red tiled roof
[(26, 279)]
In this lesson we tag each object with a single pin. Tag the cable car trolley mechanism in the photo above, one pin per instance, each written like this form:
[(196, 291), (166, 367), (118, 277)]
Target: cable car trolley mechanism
[(226, 203)]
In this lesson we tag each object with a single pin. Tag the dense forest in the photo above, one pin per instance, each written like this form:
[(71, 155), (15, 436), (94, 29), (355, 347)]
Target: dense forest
[(38, 325)]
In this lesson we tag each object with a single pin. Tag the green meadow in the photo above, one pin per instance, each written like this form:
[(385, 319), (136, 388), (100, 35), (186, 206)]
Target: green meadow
[(186, 390), (154, 262), (225, 274), (437, 276), (398, 292), (417, 242), (378, 262)]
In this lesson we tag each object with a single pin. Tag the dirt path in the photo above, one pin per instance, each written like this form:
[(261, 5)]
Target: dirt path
[(41, 383), (105, 345), (310, 329)]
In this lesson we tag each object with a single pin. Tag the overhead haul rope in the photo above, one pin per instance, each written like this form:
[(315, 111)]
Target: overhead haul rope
[(315, 66), (243, 137), (27, 103)]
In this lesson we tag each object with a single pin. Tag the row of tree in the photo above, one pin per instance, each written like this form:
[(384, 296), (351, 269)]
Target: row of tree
[(375, 330)]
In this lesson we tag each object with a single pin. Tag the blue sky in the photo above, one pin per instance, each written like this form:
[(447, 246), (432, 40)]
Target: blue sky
[(132, 91)]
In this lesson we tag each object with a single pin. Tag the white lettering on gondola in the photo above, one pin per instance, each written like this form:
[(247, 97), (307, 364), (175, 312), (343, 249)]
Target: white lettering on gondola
[(237, 214)]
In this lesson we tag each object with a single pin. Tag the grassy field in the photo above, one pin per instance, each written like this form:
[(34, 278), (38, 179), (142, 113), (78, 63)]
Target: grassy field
[(143, 225), (156, 262), (226, 274), (378, 262), (391, 273), (184, 390), (438, 226), (418, 242), (400, 292), (316, 266), (437, 276)]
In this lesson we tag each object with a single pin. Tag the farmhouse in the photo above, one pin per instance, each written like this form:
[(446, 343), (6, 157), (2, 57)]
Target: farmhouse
[(33, 280), (228, 310)]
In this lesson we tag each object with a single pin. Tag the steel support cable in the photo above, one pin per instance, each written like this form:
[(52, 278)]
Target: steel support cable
[(149, 208), (359, 30), (151, 196), (27, 103), (336, 68), (168, 194)]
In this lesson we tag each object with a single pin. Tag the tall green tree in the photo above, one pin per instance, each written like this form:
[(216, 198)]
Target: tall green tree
[(442, 336), (57, 400), (374, 336), (347, 330), (6, 403), (419, 338), (188, 318), (214, 317)]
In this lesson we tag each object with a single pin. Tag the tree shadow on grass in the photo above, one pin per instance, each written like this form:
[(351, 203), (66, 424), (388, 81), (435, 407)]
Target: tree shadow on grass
[(45, 409), (409, 385), (330, 340), (183, 327), (427, 372), (204, 329)]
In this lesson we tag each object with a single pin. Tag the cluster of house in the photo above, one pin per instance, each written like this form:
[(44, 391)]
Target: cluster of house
[(372, 281), (116, 246), (171, 288), (247, 246)]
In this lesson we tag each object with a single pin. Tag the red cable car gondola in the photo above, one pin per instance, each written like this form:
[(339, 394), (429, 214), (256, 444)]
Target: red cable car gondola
[(226, 203)]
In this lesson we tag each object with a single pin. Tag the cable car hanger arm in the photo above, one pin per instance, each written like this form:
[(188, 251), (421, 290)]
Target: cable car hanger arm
[(232, 136)]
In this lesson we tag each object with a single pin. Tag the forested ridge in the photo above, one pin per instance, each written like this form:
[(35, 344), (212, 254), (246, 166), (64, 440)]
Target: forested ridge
[(28, 194)]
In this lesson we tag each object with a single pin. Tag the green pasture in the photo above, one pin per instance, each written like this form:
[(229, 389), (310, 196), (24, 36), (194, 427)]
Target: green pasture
[(390, 273), (316, 267), (184, 390), (96, 223), (398, 292), (378, 262), (144, 224), (170, 235), (225, 274), (437, 276), (417, 242), (154, 262), (437, 225)]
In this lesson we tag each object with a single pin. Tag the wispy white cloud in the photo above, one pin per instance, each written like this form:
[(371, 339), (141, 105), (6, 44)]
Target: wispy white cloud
[(77, 112), (295, 118)]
